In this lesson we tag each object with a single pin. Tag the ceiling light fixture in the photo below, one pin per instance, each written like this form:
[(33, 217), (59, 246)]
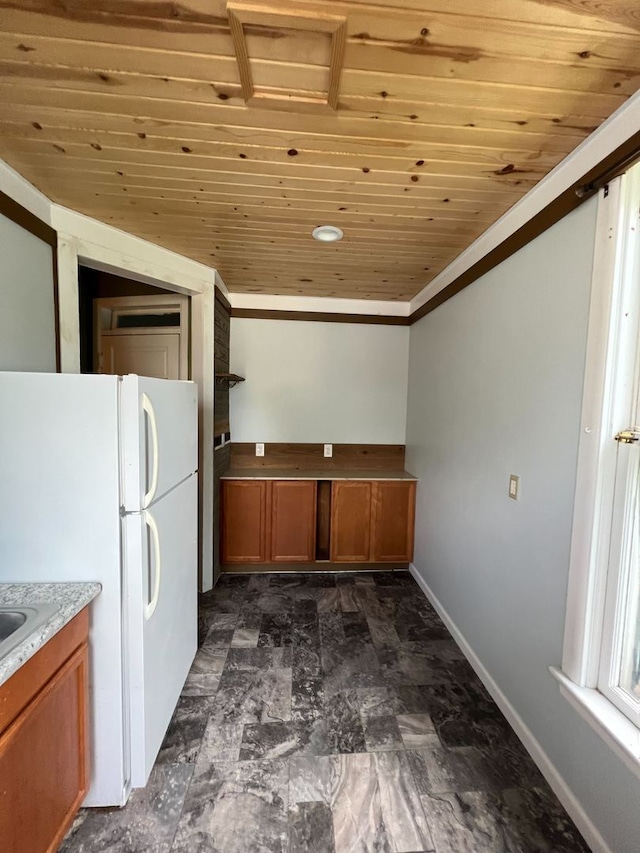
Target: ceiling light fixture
[(327, 233)]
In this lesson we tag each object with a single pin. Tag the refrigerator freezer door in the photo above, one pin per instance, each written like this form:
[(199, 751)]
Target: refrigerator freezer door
[(161, 567), (159, 429)]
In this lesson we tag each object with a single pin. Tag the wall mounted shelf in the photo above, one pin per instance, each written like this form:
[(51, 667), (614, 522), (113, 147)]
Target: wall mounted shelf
[(228, 379)]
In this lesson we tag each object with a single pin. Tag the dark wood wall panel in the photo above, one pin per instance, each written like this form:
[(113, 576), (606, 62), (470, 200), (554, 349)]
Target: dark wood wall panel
[(222, 455), (222, 326), (362, 457), (323, 526), (221, 459)]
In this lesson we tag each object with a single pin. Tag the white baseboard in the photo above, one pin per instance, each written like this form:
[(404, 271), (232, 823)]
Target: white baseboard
[(544, 763)]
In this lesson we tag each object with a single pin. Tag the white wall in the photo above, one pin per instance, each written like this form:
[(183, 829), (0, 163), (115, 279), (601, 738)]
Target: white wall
[(495, 386), (27, 317), (339, 383)]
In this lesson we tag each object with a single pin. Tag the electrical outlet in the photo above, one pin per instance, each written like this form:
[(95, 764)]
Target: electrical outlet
[(328, 450), (514, 487), (259, 449)]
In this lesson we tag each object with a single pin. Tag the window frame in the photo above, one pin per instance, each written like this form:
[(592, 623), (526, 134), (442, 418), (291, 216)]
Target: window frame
[(623, 558), (608, 408)]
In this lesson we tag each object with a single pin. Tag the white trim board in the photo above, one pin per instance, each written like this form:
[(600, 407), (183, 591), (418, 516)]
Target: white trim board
[(321, 304), (146, 262), (21, 191), (107, 245), (617, 731), (610, 135), (594, 480), (607, 408), (560, 788), (220, 284)]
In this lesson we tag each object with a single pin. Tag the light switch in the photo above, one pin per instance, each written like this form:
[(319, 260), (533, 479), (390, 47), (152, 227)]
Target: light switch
[(514, 487), (259, 449)]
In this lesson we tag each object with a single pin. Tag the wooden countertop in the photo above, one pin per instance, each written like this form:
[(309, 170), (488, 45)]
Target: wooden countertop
[(313, 474)]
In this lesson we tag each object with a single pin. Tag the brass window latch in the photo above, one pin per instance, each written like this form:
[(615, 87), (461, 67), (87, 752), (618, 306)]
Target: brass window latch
[(628, 436)]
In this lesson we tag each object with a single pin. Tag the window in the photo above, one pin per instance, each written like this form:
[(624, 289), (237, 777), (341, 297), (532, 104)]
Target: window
[(618, 672), (601, 660)]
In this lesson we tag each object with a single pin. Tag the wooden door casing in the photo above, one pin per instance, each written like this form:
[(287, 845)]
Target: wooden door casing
[(351, 521), (393, 520), (292, 513)]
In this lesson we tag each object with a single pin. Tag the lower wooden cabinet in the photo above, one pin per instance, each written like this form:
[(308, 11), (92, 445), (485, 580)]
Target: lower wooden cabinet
[(268, 521), (372, 521), (292, 529), (44, 757), (393, 519), (275, 521), (243, 525), (351, 521)]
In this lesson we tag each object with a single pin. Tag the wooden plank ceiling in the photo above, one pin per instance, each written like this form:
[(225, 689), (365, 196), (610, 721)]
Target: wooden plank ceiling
[(229, 133)]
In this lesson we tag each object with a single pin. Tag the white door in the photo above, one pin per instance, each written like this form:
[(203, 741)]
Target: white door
[(161, 565), (159, 428), (148, 353)]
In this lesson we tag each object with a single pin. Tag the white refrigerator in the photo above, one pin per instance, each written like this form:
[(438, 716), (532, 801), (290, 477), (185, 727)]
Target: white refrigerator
[(98, 482)]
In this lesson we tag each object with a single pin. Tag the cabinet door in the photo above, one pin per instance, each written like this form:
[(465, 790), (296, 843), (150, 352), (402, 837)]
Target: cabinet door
[(393, 521), (244, 517), (350, 521), (43, 763), (293, 521)]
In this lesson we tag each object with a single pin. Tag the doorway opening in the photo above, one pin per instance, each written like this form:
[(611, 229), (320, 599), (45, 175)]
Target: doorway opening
[(127, 326)]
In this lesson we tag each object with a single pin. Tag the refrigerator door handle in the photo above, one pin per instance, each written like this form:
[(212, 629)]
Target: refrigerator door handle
[(150, 607), (148, 408)]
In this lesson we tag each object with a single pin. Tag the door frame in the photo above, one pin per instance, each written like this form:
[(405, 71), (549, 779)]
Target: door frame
[(148, 266)]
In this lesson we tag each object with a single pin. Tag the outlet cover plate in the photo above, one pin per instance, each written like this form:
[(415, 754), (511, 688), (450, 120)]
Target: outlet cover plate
[(328, 451), (259, 449), (514, 487)]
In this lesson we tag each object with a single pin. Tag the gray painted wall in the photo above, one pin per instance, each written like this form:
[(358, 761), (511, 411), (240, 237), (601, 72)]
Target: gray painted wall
[(334, 383), (27, 326), (495, 387)]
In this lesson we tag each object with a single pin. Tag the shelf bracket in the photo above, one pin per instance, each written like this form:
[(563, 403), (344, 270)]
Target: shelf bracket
[(228, 379)]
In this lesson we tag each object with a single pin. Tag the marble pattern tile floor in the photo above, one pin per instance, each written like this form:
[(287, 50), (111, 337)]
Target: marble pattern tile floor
[(332, 714)]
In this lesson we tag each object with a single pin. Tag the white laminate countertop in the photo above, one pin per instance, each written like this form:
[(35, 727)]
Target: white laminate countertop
[(71, 598), (313, 474)]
